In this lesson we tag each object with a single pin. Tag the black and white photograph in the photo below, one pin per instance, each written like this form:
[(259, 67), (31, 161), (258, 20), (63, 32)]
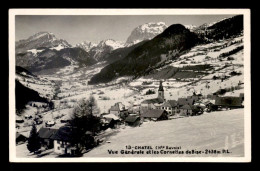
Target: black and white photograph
[(130, 85)]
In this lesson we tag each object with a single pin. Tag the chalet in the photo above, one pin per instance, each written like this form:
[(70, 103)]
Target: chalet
[(20, 139), (153, 103), (133, 120), (185, 101), (118, 109), (108, 123), (171, 106), (109, 120), (45, 134), (185, 110), (228, 102), (63, 142), (155, 114)]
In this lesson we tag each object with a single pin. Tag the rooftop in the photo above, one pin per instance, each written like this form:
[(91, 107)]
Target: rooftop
[(154, 113), (46, 132)]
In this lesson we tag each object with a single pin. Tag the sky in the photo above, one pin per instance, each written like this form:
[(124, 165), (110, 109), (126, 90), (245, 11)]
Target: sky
[(78, 28)]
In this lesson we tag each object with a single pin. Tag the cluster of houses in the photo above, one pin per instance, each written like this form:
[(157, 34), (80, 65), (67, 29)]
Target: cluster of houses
[(151, 109), (161, 109)]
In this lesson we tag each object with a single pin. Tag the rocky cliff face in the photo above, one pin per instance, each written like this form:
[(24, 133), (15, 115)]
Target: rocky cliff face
[(145, 32)]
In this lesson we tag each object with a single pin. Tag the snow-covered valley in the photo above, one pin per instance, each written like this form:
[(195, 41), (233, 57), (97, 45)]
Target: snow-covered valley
[(70, 83)]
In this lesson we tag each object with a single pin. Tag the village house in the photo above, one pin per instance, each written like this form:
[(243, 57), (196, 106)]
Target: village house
[(155, 114), (153, 103), (118, 109), (185, 110), (228, 102), (62, 141), (133, 120), (171, 106), (45, 134), (185, 101), (109, 121)]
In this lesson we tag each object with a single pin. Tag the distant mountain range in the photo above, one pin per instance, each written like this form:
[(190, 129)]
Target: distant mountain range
[(175, 39), (43, 51), (148, 46), (171, 43)]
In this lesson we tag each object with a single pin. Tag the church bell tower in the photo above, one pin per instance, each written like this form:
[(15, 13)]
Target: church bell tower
[(161, 91)]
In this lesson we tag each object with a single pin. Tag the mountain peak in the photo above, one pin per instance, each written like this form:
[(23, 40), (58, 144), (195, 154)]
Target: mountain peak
[(41, 34), (110, 42), (145, 32), (41, 39)]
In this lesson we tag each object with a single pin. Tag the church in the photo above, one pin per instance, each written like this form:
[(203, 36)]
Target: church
[(154, 103)]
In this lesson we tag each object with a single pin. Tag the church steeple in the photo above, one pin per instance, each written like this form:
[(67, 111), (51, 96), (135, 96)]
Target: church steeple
[(161, 91), (161, 87)]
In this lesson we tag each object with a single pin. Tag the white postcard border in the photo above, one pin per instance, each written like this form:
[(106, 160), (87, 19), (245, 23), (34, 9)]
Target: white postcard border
[(247, 81)]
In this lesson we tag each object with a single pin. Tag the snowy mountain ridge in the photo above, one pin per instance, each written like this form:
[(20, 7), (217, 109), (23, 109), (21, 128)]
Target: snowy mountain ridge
[(40, 40), (86, 45)]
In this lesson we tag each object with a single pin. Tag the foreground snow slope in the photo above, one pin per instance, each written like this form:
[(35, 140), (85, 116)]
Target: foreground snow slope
[(216, 130)]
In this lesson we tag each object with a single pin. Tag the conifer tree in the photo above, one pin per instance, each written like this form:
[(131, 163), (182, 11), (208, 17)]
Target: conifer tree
[(33, 140)]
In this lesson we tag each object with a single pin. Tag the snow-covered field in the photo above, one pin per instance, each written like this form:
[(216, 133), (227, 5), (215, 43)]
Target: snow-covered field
[(212, 131)]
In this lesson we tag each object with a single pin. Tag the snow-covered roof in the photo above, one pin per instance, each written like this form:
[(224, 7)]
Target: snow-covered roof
[(111, 116)]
